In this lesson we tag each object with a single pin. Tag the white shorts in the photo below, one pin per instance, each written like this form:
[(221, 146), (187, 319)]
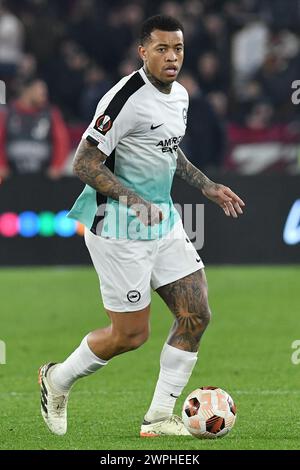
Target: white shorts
[(128, 269)]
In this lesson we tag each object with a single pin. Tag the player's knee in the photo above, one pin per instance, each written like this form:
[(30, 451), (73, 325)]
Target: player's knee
[(138, 340), (131, 341)]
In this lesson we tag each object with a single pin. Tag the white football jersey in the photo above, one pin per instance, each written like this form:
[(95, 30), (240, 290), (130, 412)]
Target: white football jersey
[(139, 129)]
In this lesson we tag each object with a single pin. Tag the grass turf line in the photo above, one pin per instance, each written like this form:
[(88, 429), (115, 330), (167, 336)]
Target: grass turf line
[(246, 350)]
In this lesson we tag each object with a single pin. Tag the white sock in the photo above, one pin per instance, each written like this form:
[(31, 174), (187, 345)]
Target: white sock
[(176, 367), (80, 363)]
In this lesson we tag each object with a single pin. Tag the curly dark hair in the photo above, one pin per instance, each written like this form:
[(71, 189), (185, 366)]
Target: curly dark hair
[(161, 22)]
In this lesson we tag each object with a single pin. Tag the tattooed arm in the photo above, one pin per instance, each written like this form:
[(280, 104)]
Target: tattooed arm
[(188, 172), (218, 193), (89, 167)]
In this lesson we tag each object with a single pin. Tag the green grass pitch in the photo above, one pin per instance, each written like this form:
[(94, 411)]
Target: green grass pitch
[(246, 350)]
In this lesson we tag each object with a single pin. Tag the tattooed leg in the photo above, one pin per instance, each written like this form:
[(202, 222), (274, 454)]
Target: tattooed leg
[(187, 300)]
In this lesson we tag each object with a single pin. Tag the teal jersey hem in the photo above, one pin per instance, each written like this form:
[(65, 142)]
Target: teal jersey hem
[(85, 207), (120, 221)]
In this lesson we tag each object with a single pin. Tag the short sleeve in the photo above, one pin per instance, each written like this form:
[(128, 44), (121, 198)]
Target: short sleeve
[(111, 123)]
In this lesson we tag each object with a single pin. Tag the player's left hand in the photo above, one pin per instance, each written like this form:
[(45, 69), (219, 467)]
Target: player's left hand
[(230, 202)]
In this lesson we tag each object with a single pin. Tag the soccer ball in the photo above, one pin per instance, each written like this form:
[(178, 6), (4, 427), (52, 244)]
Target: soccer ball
[(209, 412)]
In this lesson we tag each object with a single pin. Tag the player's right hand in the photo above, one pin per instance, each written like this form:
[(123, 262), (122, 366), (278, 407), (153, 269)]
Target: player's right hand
[(150, 215)]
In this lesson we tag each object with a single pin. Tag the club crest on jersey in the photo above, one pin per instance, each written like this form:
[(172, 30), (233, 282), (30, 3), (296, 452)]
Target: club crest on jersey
[(133, 296), (103, 124)]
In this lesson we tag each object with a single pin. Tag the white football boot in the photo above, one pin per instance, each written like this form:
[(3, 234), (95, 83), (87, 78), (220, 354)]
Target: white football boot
[(53, 405), (172, 426)]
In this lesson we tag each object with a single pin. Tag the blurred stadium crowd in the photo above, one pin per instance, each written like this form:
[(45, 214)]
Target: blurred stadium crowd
[(241, 58)]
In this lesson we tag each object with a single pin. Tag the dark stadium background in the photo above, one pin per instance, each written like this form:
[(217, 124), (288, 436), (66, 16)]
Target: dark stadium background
[(243, 128)]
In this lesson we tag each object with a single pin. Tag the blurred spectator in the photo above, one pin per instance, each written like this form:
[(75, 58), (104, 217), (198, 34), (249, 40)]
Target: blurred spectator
[(127, 67), (249, 49), (121, 34), (279, 69), (216, 30), (205, 140), (282, 13), (43, 30), (11, 42), (260, 144), (210, 76), (27, 67), (133, 16), (172, 8), (96, 85), (193, 9), (66, 76), (197, 41), (33, 136), (240, 53), (260, 116), (87, 28), (219, 102), (248, 93)]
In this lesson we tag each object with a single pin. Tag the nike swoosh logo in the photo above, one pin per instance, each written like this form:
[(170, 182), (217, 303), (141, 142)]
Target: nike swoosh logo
[(198, 260), (155, 127), (174, 396)]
